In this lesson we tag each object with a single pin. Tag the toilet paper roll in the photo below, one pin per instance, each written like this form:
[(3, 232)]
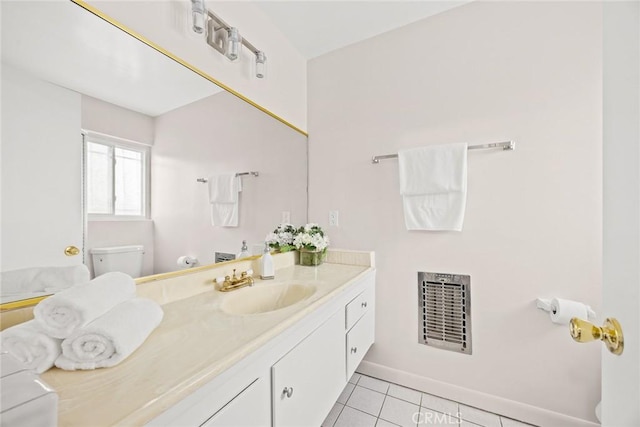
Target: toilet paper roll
[(562, 310), (186, 261)]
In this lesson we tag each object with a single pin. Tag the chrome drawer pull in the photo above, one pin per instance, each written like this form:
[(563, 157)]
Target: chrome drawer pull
[(354, 349), (288, 391), (364, 304)]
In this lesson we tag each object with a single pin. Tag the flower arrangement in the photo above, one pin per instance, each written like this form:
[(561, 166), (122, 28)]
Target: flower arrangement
[(309, 240), (282, 238), (311, 237)]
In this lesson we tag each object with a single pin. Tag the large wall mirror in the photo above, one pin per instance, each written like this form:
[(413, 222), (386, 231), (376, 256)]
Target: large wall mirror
[(78, 91)]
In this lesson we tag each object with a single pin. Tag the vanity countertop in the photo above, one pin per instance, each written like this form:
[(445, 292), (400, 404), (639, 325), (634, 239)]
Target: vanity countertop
[(195, 342)]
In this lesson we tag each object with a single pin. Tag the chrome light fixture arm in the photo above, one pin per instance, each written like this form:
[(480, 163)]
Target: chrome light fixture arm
[(225, 38)]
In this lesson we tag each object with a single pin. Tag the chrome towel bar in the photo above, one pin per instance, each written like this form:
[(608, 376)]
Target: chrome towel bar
[(205, 180), (507, 145)]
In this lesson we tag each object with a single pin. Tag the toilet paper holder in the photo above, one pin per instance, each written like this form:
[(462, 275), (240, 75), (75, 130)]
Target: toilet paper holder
[(545, 304)]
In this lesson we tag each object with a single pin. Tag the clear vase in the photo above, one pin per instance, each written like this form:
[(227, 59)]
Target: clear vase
[(311, 257)]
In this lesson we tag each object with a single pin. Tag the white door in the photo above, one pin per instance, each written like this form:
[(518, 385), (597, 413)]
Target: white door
[(41, 172), (621, 374)]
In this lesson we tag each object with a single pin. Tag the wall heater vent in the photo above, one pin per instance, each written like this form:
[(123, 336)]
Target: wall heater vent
[(223, 256), (444, 310)]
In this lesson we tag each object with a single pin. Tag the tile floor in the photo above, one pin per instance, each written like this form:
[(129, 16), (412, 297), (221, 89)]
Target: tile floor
[(370, 402)]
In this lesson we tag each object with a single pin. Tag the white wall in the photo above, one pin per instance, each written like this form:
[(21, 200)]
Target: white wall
[(621, 374), (104, 117), (168, 24), (41, 166), (483, 72), (110, 119), (216, 135)]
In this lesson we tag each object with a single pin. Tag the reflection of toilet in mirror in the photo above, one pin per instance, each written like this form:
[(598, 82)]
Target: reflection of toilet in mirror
[(126, 259)]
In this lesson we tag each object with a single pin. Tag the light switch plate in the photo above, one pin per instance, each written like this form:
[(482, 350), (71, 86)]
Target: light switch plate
[(333, 218)]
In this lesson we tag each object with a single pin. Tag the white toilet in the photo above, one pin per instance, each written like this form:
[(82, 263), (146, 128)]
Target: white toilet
[(126, 259)]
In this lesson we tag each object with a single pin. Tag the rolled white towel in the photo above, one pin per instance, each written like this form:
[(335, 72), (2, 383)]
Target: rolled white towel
[(111, 338), (31, 346), (61, 314), (42, 279)]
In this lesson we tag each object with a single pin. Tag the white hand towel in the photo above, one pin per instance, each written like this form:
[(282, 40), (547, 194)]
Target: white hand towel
[(31, 346), (223, 197), (111, 338), (40, 279), (61, 314), (433, 185), (224, 188)]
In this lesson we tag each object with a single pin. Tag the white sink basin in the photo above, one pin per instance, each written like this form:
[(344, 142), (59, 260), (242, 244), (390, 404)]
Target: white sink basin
[(263, 299)]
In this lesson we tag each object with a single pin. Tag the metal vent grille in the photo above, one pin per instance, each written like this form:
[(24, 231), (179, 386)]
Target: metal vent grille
[(223, 256), (444, 309)]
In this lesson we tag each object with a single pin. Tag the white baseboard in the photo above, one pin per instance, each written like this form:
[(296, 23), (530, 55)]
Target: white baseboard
[(508, 408)]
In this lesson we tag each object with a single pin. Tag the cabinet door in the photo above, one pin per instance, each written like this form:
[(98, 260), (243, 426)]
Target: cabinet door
[(308, 380), (359, 339), (250, 408)]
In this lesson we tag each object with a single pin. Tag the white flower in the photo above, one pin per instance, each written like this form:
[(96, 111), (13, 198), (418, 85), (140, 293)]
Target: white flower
[(282, 236), (311, 237)]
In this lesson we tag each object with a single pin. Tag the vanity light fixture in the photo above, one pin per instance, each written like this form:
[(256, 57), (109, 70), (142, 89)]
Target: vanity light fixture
[(234, 44), (261, 64), (223, 37), (198, 15)]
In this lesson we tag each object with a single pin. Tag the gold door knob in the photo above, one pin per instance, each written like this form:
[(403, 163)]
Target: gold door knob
[(610, 333), (71, 251)]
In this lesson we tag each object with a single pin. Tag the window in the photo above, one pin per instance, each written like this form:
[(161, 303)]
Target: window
[(116, 178)]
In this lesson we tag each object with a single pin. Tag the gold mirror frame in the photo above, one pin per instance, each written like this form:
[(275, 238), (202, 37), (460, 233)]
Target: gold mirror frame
[(145, 279)]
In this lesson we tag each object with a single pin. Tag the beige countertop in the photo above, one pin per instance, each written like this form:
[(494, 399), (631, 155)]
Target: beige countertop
[(195, 342)]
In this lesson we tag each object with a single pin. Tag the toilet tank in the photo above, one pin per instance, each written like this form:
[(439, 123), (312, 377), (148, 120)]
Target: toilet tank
[(126, 259)]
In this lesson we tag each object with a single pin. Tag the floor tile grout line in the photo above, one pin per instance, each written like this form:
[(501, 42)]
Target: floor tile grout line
[(347, 399), (339, 413), (381, 406)]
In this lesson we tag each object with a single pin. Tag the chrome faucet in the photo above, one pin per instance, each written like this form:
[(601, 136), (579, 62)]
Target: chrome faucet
[(234, 282)]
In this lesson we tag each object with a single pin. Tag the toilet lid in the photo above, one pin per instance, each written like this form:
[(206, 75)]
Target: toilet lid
[(117, 249)]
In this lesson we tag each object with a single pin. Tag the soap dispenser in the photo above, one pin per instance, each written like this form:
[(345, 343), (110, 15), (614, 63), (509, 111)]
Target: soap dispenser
[(244, 251), (267, 270)]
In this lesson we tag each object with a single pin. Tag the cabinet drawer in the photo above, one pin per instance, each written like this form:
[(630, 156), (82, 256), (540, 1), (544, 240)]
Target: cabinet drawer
[(359, 339), (359, 306)]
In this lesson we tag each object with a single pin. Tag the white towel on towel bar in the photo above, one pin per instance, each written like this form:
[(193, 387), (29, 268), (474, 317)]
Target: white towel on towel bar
[(433, 185), (61, 314), (111, 338), (223, 197), (31, 346)]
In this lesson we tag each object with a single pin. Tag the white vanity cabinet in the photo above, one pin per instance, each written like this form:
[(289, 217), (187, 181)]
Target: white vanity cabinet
[(308, 379), (360, 326), (295, 379)]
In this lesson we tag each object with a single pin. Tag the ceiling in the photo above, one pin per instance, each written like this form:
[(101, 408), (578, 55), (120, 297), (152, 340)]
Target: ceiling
[(77, 50), (317, 27)]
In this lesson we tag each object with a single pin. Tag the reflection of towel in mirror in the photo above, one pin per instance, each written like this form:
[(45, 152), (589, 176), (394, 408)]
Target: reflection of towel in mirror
[(31, 346), (223, 197), (40, 279), (61, 314), (111, 338)]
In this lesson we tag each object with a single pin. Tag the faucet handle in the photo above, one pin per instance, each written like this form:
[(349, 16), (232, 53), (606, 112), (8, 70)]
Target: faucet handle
[(249, 272)]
